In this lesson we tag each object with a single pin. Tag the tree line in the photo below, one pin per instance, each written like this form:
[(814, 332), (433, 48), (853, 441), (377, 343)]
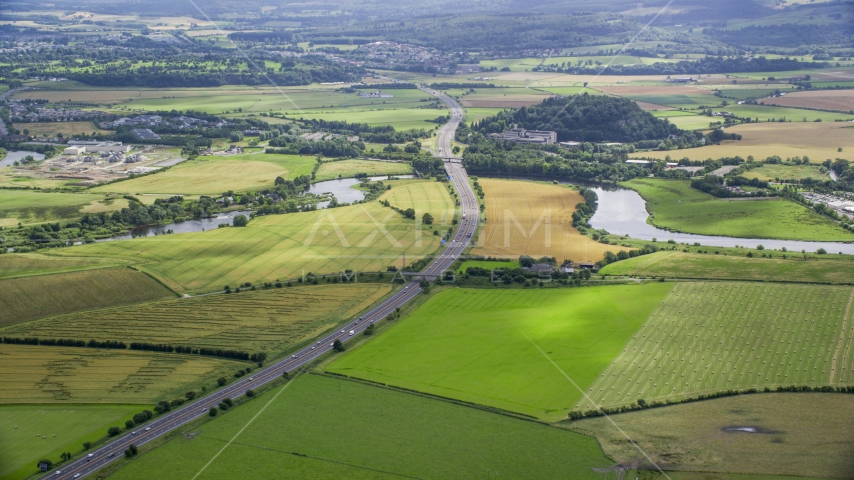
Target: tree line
[(151, 347)]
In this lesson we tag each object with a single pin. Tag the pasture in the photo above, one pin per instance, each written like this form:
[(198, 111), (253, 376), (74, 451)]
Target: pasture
[(674, 204), (342, 429), (365, 237), (31, 297), (488, 265), (527, 218), (271, 321), (708, 337), (773, 172), (67, 129), (217, 174), (423, 196), (770, 113), (349, 168), (45, 374), (21, 178), (26, 264), (482, 346), (803, 434), (829, 269), (819, 141), (29, 207), (72, 425)]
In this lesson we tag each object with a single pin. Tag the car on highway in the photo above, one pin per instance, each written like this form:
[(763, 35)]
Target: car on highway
[(352, 332), (76, 475), (58, 472), (147, 429), (133, 433), (113, 454)]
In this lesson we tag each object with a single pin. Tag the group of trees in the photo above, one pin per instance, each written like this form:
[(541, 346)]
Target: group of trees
[(704, 66)]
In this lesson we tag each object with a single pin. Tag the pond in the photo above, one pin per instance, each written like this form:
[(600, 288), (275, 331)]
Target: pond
[(343, 190), (13, 157), (623, 212), (187, 226)]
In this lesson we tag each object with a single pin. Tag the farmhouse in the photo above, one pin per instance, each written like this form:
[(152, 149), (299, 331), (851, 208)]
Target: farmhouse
[(541, 268), (520, 135)]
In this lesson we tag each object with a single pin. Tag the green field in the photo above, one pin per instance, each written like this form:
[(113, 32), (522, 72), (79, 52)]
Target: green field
[(708, 337), (693, 436), (479, 345), (273, 247), (328, 428), (684, 119), (260, 321), (27, 298), (423, 196), (487, 265), (47, 374), (349, 168), (26, 264), (32, 207), (674, 204), (768, 113), (60, 429), (216, 174), (770, 172), (829, 269)]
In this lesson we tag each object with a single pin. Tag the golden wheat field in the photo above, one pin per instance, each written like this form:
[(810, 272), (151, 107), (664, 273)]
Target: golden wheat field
[(526, 218), (270, 321), (46, 374)]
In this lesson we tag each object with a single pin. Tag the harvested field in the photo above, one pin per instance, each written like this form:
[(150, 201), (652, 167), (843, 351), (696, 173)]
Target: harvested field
[(509, 101), (44, 374), (708, 337), (817, 140), (633, 90), (527, 218), (270, 321), (727, 267), (28, 298), (652, 107), (423, 196), (805, 434), (837, 100)]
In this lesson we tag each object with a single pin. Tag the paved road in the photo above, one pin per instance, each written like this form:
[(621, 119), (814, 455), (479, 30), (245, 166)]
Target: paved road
[(163, 424)]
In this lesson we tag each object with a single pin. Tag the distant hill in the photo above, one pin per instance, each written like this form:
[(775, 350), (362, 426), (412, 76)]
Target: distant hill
[(584, 118)]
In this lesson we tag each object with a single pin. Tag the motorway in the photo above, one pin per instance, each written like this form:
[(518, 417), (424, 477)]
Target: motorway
[(159, 426)]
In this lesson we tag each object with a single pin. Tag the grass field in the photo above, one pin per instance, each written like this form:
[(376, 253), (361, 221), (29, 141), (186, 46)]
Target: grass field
[(424, 196), (349, 168), (365, 237), (26, 264), (819, 141), (16, 178), (32, 207), (44, 374), (805, 434), (674, 204), (766, 113), (341, 429), (67, 129), (488, 265), (260, 321), (526, 218), (723, 267), (217, 174), (72, 425), (31, 297), (479, 345), (771, 172), (787, 334)]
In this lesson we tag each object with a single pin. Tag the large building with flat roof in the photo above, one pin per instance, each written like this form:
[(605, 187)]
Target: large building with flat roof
[(520, 135)]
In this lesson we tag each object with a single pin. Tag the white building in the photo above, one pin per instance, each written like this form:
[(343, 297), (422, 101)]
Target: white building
[(74, 150), (100, 147)]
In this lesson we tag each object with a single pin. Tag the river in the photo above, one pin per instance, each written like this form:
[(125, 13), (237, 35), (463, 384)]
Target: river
[(623, 212)]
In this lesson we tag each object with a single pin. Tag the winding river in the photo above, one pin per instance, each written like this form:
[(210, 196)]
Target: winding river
[(623, 212)]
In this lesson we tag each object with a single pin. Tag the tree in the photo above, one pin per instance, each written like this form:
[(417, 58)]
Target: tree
[(456, 149), (250, 393), (213, 411), (240, 221), (65, 456), (409, 213), (427, 219), (221, 381), (338, 346), (190, 395), (87, 445), (113, 431), (130, 424), (46, 462), (821, 251)]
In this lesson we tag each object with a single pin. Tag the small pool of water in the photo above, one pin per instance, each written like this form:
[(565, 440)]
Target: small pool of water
[(343, 189), (13, 157)]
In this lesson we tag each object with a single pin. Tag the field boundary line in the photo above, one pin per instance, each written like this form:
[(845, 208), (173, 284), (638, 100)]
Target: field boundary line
[(245, 427), (570, 380), (841, 338), (161, 282)]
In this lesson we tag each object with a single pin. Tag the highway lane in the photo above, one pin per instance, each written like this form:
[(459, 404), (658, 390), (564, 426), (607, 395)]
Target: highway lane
[(159, 426)]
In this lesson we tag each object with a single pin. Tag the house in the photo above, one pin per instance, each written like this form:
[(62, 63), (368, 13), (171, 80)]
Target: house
[(587, 265), (566, 268), (541, 268)]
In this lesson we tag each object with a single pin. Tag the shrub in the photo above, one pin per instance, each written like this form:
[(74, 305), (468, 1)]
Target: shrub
[(213, 411), (113, 431), (221, 381)]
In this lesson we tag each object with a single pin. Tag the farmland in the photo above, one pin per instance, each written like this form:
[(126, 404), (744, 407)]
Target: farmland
[(526, 218), (479, 345), (726, 267), (693, 437), (71, 424), (423, 196), (819, 141), (250, 321), (217, 174), (488, 265), (772, 172), (45, 374), (708, 337), (31, 297), (273, 247), (26, 264), (413, 437), (838, 100), (674, 204), (68, 129), (33, 207), (349, 168)]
